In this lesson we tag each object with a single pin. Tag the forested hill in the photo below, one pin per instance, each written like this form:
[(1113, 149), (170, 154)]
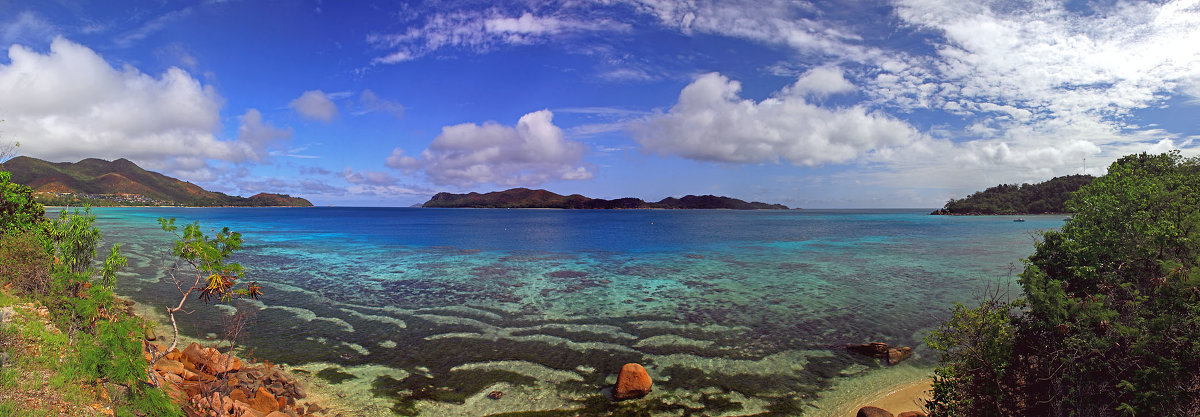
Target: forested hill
[(1042, 198), (122, 183), (527, 198)]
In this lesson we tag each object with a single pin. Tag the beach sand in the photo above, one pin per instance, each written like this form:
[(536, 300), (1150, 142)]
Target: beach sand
[(908, 397), (896, 389)]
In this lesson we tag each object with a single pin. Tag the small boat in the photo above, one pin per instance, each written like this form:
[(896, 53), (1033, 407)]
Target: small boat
[(1019, 220)]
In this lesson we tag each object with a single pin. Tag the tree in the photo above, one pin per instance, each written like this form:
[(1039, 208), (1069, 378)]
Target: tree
[(1110, 318), (204, 263), (18, 210)]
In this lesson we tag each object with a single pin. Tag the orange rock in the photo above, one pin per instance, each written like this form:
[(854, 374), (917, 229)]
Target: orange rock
[(895, 355), (238, 395), (174, 355), (194, 353), (264, 401), (244, 410), (191, 388), (277, 414), (911, 414), (873, 412), (172, 378), (281, 401), (632, 382), (169, 366)]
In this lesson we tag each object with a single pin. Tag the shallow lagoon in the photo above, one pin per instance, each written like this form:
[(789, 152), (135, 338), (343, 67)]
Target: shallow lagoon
[(732, 312)]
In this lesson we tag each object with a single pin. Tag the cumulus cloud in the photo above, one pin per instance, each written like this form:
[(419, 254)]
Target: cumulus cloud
[(315, 105), (480, 31), (821, 82), (710, 122), (258, 134), (530, 153), (69, 103)]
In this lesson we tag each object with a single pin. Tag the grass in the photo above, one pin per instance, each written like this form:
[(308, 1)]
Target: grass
[(35, 380), (48, 373)]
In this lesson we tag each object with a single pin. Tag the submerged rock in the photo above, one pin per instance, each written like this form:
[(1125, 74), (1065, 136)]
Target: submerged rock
[(897, 354), (875, 349), (633, 382), (893, 355), (873, 412)]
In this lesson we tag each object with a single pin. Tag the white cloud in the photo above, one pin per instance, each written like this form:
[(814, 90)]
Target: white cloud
[(260, 135), (315, 105), (771, 21), (368, 102), (1046, 66), (710, 122), (480, 31), (821, 82), (530, 153), (150, 27), (368, 177), (27, 27), (69, 104)]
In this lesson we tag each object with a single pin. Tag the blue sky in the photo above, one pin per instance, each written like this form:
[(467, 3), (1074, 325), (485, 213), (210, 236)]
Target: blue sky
[(811, 104)]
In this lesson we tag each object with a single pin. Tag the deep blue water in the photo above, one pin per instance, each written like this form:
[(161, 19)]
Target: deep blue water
[(429, 309)]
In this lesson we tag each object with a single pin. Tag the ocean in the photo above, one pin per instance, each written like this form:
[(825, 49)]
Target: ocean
[(426, 311)]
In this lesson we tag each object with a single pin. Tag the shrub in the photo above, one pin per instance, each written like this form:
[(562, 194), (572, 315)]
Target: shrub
[(24, 263), (1110, 324)]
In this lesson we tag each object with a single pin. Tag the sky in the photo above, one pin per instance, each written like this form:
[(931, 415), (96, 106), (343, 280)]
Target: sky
[(812, 104)]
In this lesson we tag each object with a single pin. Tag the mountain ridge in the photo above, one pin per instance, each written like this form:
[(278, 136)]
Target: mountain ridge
[(528, 198), (122, 182)]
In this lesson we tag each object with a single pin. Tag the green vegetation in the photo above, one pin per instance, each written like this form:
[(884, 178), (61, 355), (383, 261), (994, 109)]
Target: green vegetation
[(102, 183), (70, 343), (526, 198), (207, 270), (1109, 321), (1047, 197)]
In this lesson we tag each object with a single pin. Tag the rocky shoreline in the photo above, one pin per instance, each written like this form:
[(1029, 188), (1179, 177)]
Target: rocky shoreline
[(209, 383)]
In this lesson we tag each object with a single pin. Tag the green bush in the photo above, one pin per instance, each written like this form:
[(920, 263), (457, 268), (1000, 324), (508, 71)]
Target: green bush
[(24, 263), (18, 211), (1110, 324)]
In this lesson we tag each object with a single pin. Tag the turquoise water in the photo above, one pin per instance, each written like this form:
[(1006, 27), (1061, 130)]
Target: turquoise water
[(732, 312)]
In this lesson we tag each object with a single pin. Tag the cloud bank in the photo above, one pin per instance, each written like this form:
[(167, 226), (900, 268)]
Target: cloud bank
[(711, 122), (69, 104), (530, 153)]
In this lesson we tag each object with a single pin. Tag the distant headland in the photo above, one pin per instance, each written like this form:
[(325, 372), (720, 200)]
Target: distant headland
[(527, 198), (122, 183), (1048, 197)]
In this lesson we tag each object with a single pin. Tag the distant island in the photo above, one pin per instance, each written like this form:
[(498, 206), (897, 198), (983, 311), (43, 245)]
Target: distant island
[(1047, 197), (122, 183), (527, 198)]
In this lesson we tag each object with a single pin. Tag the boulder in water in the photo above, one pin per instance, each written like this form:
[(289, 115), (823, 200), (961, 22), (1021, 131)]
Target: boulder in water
[(897, 354), (632, 382), (873, 412)]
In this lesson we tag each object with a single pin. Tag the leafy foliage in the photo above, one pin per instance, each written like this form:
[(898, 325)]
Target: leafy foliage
[(18, 211), (1041, 198), (1111, 317), (216, 278), (53, 263), (976, 344)]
